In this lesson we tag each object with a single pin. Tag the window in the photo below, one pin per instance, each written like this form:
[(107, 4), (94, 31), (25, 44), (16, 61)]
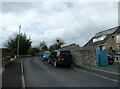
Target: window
[(118, 48), (118, 38), (99, 38)]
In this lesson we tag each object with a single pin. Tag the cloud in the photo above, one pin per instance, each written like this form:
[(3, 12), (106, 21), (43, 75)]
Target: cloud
[(60, 0), (74, 22), (15, 7)]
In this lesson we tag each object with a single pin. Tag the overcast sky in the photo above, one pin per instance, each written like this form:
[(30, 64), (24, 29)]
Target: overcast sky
[(74, 22)]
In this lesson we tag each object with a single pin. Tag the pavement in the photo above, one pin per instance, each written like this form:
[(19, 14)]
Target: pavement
[(0, 69), (11, 76), (114, 69)]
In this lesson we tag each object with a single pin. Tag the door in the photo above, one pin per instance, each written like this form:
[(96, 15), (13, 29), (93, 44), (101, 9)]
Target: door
[(101, 57)]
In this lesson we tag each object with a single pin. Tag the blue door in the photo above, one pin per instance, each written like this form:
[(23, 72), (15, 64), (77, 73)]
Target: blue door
[(101, 57), (97, 57)]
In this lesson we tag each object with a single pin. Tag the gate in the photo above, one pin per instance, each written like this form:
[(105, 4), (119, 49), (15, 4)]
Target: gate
[(101, 57)]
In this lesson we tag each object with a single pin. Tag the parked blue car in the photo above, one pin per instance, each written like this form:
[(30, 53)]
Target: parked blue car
[(46, 55)]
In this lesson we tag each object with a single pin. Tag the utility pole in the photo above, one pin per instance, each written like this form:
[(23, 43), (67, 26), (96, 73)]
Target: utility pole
[(18, 41)]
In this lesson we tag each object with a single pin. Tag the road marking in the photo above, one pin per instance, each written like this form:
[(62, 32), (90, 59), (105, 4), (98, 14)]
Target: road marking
[(1, 70), (23, 80), (102, 70), (96, 75)]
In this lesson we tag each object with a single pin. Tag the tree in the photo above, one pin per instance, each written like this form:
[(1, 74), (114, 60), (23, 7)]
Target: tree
[(24, 44), (53, 47), (59, 42), (43, 46), (32, 51), (57, 45)]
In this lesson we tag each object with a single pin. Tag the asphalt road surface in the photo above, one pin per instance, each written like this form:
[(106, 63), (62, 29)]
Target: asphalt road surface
[(11, 76), (40, 73)]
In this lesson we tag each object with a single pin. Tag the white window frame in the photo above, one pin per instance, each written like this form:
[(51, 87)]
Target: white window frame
[(99, 39), (118, 38), (118, 48)]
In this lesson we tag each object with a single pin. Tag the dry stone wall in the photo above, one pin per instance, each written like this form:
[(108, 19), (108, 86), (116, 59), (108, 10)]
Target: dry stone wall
[(81, 56)]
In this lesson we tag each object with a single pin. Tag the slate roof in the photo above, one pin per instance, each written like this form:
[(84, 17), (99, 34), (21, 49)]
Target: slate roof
[(106, 32), (109, 33)]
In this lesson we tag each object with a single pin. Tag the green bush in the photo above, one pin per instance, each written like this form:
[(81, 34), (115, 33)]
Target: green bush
[(6, 62), (32, 51)]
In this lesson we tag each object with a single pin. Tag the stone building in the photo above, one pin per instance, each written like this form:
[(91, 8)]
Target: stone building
[(108, 39), (105, 40)]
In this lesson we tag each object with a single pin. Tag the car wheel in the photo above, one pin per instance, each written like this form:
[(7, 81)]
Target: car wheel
[(55, 64)]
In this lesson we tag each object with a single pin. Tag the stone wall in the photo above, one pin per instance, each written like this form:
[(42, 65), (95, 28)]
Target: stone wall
[(112, 42), (81, 57)]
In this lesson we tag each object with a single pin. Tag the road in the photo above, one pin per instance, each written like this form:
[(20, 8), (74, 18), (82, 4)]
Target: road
[(39, 73)]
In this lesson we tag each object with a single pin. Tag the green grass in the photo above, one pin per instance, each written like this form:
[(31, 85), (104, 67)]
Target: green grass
[(5, 62)]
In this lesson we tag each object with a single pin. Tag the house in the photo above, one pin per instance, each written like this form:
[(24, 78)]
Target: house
[(86, 55), (108, 39)]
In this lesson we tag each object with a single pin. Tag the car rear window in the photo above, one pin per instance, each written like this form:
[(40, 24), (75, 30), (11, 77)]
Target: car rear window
[(47, 53), (66, 54)]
